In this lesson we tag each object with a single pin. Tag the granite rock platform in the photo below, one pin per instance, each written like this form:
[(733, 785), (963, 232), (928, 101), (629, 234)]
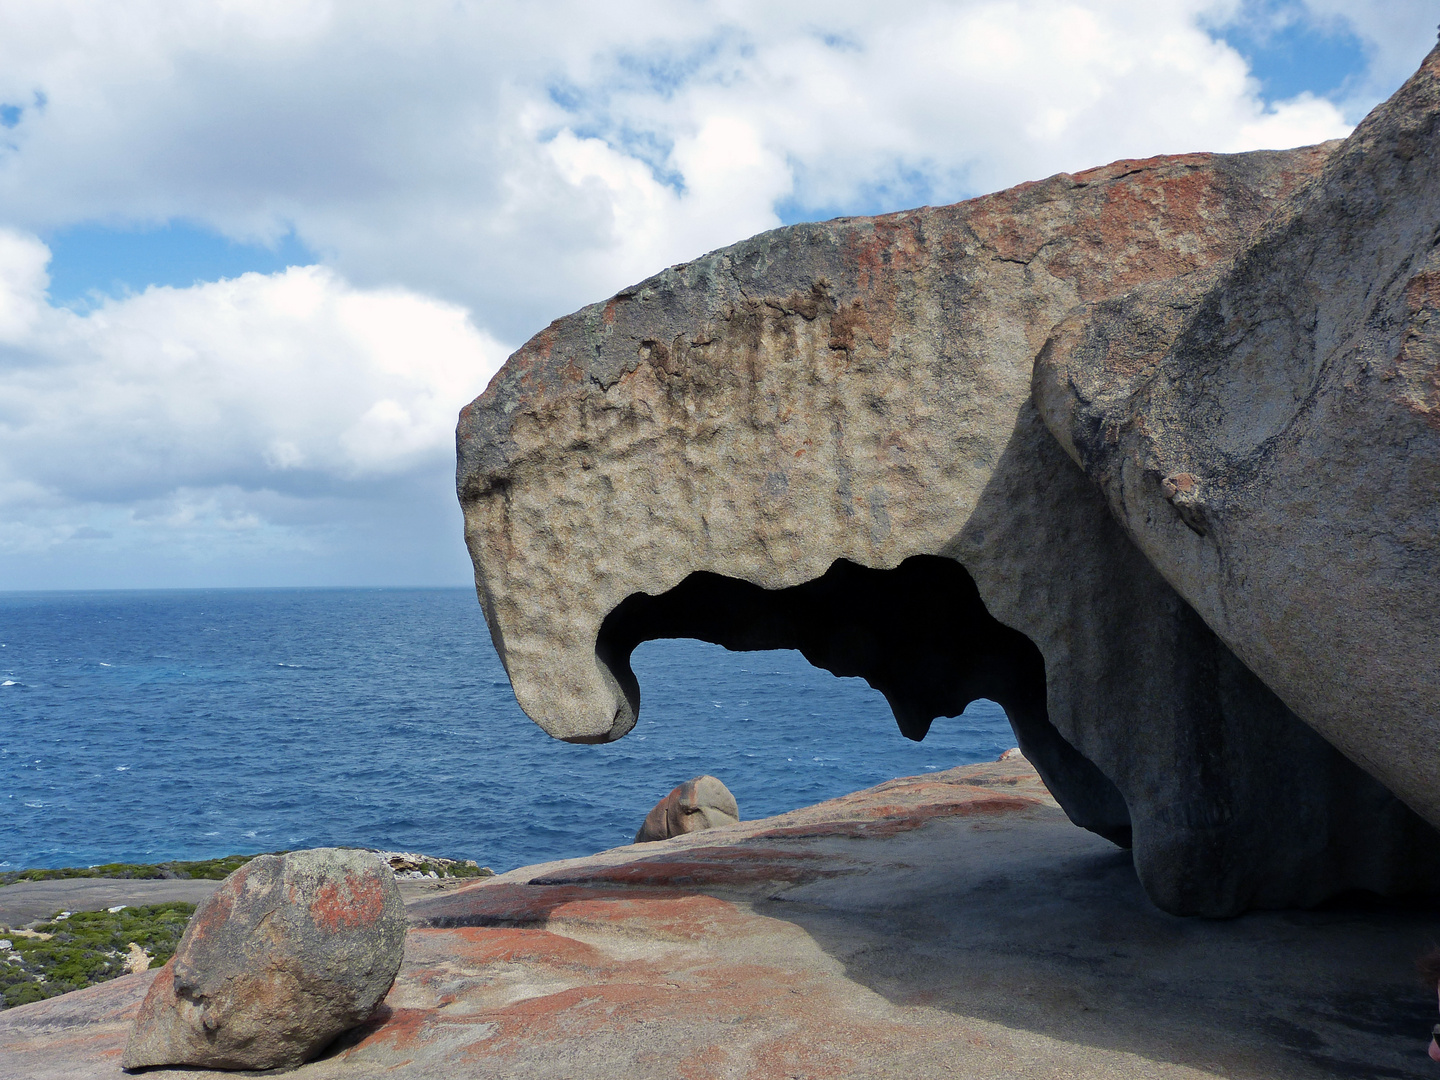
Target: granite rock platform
[(952, 924)]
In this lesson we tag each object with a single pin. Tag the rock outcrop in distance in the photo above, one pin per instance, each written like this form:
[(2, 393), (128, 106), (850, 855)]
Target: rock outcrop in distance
[(825, 438), (696, 805)]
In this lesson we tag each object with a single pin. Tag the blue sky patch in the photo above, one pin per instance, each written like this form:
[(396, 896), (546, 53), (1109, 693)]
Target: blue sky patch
[(89, 259), (1297, 55), (908, 187)]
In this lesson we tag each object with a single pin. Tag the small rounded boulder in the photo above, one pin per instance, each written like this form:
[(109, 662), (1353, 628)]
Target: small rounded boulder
[(702, 803), (289, 952)]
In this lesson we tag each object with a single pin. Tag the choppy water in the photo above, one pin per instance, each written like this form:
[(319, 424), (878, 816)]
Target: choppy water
[(158, 725)]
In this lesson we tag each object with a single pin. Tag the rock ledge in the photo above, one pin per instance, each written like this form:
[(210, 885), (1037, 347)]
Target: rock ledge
[(948, 924)]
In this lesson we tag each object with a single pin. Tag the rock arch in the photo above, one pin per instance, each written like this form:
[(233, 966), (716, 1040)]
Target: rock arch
[(919, 633), (857, 394)]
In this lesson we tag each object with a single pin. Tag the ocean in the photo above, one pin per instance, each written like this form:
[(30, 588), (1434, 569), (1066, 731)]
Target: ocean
[(145, 726)]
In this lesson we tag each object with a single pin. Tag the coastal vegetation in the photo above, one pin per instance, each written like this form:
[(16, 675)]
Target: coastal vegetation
[(427, 865), (75, 950), (219, 869), (211, 869)]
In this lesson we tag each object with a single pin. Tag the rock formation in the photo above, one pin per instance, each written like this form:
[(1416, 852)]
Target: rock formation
[(824, 438), (948, 925), (289, 952), (1268, 434), (702, 803)]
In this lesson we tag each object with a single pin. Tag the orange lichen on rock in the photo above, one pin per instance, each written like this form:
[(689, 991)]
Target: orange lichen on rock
[(288, 952), (342, 905), (993, 943)]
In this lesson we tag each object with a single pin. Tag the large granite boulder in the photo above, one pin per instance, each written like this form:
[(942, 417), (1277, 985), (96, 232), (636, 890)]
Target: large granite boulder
[(698, 804), (1268, 433), (289, 952), (823, 438)]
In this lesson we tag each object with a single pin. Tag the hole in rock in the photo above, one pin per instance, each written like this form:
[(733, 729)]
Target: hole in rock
[(919, 634), (780, 732)]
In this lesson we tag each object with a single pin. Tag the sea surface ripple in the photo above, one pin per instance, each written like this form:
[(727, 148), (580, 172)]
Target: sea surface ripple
[(143, 726)]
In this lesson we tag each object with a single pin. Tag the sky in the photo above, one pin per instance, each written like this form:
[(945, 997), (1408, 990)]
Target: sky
[(255, 255)]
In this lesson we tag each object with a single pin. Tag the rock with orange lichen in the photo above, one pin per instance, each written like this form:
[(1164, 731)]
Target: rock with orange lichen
[(702, 803), (951, 924), (289, 952)]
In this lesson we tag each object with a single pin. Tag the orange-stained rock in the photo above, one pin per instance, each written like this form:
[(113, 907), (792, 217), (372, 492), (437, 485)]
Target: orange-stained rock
[(952, 924), (702, 803), (290, 951)]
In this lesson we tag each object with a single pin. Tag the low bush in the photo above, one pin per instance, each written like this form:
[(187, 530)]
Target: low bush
[(211, 869), (85, 948)]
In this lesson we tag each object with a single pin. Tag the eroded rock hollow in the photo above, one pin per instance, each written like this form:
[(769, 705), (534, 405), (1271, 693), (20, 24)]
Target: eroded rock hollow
[(825, 438)]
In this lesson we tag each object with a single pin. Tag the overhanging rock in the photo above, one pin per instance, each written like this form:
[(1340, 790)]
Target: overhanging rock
[(823, 438), (1269, 435)]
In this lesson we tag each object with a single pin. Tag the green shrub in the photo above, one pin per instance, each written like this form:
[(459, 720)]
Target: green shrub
[(468, 869), (210, 869), (85, 948)]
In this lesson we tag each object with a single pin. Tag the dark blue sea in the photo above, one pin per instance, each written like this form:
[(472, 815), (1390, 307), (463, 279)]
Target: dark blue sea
[(144, 726)]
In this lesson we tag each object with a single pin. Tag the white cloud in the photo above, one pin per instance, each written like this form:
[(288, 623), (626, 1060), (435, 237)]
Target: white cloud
[(1394, 34), (189, 412), (468, 172), (1298, 122), (22, 284), (524, 159)]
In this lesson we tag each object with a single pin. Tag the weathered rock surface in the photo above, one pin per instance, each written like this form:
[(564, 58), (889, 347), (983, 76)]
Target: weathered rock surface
[(823, 438), (1269, 435), (702, 803), (289, 952), (953, 924)]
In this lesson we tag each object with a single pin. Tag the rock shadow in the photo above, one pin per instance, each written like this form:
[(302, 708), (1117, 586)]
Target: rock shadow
[(1066, 945)]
